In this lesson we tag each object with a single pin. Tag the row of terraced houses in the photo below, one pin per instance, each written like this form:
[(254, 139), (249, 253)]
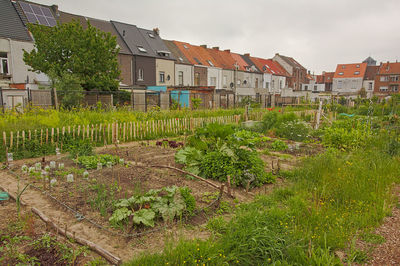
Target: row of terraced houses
[(148, 62)]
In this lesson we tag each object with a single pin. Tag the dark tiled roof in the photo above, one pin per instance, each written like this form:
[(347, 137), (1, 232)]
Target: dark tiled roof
[(251, 64), (156, 44), (134, 39), (67, 18), (178, 55), (11, 25), (291, 61), (102, 25)]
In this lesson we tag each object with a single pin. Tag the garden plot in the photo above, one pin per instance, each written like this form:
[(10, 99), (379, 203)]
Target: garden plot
[(26, 240)]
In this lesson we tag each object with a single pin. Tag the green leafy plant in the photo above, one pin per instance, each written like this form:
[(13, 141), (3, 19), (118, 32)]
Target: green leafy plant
[(279, 145), (90, 162), (166, 203)]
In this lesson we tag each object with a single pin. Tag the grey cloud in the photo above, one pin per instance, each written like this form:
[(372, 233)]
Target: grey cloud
[(318, 33)]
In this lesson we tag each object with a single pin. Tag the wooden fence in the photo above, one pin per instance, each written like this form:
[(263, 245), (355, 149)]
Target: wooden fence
[(104, 134)]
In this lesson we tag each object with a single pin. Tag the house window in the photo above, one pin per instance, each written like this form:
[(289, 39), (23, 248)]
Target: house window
[(280, 84), (210, 63), (340, 73), (181, 59), (197, 61), (357, 66), (370, 86), (394, 88), (239, 82), (151, 35), (343, 67), (273, 84), (256, 82), (213, 81), (197, 79), (357, 73), (267, 85), (315, 87), (384, 78), (305, 87), (340, 84), (225, 80), (180, 78), (141, 49), (394, 78), (140, 74), (4, 66), (383, 88), (185, 46), (162, 77)]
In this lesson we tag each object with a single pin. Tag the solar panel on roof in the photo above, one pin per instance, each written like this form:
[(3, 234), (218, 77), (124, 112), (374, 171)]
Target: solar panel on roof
[(38, 14)]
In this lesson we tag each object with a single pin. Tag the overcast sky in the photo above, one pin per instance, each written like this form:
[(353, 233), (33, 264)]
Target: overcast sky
[(318, 33)]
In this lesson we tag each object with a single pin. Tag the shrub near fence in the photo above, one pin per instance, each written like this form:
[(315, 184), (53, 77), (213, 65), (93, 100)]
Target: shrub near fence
[(46, 140)]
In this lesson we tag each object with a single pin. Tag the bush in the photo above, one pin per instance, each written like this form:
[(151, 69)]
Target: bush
[(189, 200)]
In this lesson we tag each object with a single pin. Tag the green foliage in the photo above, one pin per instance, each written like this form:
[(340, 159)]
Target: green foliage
[(167, 203), (196, 102), (331, 198), (89, 55), (90, 162), (189, 200), (78, 147), (69, 89), (279, 145), (347, 134)]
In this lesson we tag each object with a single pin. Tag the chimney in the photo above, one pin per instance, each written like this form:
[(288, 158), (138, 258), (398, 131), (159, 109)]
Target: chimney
[(323, 72), (55, 9), (247, 55), (156, 31), (228, 50), (216, 48), (276, 53), (203, 45)]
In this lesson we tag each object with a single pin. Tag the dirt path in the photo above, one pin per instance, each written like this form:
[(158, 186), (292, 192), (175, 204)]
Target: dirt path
[(388, 253)]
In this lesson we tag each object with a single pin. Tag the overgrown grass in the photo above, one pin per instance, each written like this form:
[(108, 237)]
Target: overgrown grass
[(36, 118), (332, 198)]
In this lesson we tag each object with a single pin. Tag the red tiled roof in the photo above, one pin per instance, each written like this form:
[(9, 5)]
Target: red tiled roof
[(269, 66), (190, 53), (240, 62), (197, 55), (389, 68), (223, 58), (350, 70)]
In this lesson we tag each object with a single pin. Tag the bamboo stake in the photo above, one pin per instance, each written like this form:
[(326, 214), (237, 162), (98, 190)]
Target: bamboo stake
[(47, 135), (29, 134), (23, 138), (17, 139), (41, 137), (11, 139), (52, 135)]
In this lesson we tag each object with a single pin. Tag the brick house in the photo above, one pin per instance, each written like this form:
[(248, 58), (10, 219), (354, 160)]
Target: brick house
[(387, 79), (298, 73)]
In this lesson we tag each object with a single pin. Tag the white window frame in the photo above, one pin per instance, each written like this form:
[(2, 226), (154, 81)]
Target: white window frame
[(2, 59), (162, 76), (213, 81), (140, 74), (180, 78), (225, 80)]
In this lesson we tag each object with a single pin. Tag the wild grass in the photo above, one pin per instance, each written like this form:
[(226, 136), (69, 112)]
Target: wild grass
[(36, 118), (332, 199)]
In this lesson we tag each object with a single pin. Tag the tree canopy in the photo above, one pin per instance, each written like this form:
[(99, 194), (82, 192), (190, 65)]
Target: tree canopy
[(88, 54)]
